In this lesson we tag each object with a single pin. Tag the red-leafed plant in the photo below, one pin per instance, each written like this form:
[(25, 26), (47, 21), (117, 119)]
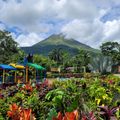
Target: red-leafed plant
[(1, 96), (28, 88), (26, 114), (18, 113), (89, 116), (59, 117), (107, 113), (14, 112), (45, 83), (68, 116)]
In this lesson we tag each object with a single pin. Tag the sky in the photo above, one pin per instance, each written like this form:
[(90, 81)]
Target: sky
[(91, 22)]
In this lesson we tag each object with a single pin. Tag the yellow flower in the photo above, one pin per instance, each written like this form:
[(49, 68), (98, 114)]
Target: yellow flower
[(98, 101), (104, 96), (103, 105)]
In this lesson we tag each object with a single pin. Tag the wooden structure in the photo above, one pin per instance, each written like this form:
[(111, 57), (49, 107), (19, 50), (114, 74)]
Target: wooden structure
[(19, 68), (55, 69), (5, 68), (25, 70), (36, 68)]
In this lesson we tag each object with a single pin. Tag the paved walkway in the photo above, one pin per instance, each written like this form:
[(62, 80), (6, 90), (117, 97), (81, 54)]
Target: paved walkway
[(117, 75)]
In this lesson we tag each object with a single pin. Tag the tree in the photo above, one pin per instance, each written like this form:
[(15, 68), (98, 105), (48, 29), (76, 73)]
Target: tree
[(8, 47), (18, 57), (57, 55), (111, 49), (44, 61), (81, 59)]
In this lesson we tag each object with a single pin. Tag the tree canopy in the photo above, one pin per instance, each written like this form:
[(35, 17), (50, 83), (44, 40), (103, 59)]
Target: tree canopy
[(57, 55), (8, 47), (111, 49)]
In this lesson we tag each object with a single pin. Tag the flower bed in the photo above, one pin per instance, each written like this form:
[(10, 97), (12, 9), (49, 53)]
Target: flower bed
[(73, 99)]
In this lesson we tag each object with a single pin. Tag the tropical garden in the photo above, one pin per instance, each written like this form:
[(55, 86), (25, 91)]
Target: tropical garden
[(85, 88)]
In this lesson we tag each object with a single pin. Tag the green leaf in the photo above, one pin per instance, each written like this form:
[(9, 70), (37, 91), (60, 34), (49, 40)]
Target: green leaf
[(51, 114), (73, 106), (57, 99)]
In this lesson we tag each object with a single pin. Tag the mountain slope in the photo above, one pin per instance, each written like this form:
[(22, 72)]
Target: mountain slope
[(58, 41)]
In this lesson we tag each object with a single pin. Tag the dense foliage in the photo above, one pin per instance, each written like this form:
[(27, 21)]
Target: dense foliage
[(9, 50), (8, 47), (111, 49), (88, 98)]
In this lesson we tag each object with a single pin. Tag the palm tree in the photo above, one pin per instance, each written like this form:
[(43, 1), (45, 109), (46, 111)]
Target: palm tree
[(82, 59), (102, 64), (56, 55)]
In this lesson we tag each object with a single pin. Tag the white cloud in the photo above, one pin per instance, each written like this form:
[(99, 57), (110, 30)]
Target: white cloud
[(25, 15), (88, 32), (78, 9), (112, 30), (82, 19), (28, 40), (30, 13), (93, 33)]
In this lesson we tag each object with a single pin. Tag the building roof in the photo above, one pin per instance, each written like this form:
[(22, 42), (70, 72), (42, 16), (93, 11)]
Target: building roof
[(36, 66), (7, 67), (17, 66)]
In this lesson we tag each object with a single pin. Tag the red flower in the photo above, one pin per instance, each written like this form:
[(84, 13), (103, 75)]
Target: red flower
[(28, 87), (110, 81)]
